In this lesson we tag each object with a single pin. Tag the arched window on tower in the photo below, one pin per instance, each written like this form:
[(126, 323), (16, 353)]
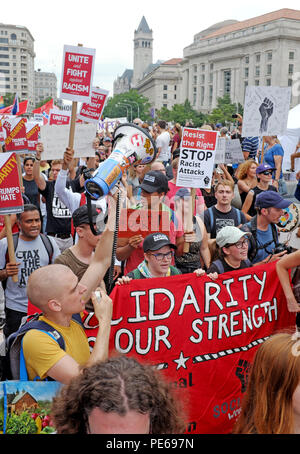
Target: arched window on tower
[(143, 43)]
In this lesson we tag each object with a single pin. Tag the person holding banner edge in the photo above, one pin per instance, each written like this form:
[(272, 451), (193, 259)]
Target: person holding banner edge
[(43, 356)]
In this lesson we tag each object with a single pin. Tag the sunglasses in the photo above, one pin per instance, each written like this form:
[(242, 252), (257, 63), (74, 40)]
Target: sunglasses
[(267, 172)]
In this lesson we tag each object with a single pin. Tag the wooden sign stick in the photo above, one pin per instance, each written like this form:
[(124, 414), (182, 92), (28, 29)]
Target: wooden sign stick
[(262, 150)]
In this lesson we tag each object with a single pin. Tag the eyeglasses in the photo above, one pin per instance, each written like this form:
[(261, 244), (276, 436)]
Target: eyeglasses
[(241, 244), (160, 256), (267, 172)]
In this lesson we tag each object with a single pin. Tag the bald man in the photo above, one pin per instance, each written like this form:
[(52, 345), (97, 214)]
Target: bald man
[(58, 293)]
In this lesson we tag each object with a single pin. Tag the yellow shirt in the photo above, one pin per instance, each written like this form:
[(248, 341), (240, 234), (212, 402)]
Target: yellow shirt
[(41, 351)]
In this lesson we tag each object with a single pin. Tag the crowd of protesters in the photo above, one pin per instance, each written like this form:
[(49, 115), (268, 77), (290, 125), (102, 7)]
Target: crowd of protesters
[(55, 244)]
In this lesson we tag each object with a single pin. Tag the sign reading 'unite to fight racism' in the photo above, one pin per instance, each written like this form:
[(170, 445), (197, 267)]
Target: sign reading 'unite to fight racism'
[(77, 73)]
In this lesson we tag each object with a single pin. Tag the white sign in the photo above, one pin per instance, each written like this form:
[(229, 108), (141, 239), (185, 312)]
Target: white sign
[(197, 157), (220, 150), (233, 152), (266, 111), (91, 112), (56, 138), (111, 123)]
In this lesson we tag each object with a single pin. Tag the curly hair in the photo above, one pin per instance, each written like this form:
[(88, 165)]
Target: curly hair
[(243, 169), (118, 385)]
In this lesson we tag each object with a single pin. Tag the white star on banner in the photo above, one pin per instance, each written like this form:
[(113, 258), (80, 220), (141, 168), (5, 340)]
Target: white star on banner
[(181, 361)]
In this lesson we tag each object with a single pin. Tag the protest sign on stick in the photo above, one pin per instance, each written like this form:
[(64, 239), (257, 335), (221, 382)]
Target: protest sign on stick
[(266, 111), (196, 162), (91, 112), (77, 76), (55, 139), (11, 200), (15, 134)]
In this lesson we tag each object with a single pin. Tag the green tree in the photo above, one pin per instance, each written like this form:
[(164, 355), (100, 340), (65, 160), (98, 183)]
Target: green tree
[(137, 104), (8, 99), (181, 113), (224, 111), (39, 104)]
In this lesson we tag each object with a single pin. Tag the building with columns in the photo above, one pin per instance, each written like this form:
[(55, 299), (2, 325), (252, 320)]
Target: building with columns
[(228, 56)]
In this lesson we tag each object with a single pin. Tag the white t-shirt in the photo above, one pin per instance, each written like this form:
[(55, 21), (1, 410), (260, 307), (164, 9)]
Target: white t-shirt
[(163, 142), (31, 255)]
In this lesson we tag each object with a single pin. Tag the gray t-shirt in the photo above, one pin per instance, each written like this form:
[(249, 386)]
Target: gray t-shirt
[(31, 255)]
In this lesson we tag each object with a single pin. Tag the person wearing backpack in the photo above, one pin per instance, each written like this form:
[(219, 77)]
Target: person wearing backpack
[(233, 251), (270, 206), (32, 250), (222, 214), (60, 298)]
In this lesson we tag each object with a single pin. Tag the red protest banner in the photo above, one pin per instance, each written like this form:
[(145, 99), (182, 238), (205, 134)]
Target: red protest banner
[(77, 73), (32, 135), (11, 200), (201, 334), (92, 112), (15, 131), (143, 222)]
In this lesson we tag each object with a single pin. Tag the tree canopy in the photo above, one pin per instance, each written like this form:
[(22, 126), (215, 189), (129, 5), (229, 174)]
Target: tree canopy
[(129, 104)]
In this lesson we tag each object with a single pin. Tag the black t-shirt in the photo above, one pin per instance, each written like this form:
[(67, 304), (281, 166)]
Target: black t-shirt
[(234, 217), (58, 215), (256, 191), (31, 191), (215, 269)]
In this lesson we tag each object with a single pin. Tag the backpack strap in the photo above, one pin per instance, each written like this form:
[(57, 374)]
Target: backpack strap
[(48, 245), (211, 218), (239, 216), (218, 263)]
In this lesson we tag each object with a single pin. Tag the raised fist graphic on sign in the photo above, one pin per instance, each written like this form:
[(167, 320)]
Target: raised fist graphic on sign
[(266, 110)]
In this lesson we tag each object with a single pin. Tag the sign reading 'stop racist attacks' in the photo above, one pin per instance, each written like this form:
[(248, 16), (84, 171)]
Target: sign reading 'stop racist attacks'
[(197, 157), (77, 73)]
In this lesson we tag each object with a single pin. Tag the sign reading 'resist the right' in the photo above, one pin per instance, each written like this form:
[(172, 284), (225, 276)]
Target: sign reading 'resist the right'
[(197, 156), (77, 73)]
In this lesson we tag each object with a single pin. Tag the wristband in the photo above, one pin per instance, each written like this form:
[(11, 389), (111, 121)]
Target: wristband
[(37, 159)]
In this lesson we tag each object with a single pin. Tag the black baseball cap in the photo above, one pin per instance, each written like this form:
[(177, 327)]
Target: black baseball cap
[(80, 215), (155, 241), (155, 181)]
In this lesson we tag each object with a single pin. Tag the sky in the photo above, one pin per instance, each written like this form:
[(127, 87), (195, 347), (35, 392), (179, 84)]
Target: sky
[(109, 28)]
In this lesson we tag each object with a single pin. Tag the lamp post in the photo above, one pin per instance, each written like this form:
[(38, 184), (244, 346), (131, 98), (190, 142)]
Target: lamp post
[(138, 107), (121, 105), (128, 105)]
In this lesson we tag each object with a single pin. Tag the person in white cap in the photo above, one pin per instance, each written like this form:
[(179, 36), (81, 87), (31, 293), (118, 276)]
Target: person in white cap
[(233, 251)]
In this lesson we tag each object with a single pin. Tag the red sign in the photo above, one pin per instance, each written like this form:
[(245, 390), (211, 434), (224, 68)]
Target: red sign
[(92, 112), (11, 200), (32, 134), (59, 118), (15, 131), (198, 139), (201, 334), (77, 73)]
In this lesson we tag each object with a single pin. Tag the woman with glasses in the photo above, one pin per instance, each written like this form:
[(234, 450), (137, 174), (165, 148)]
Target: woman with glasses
[(158, 255), (233, 251), (264, 178)]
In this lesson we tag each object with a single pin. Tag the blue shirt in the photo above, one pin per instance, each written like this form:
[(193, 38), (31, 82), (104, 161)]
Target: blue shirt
[(263, 238), (250, 145), (276, 150)]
